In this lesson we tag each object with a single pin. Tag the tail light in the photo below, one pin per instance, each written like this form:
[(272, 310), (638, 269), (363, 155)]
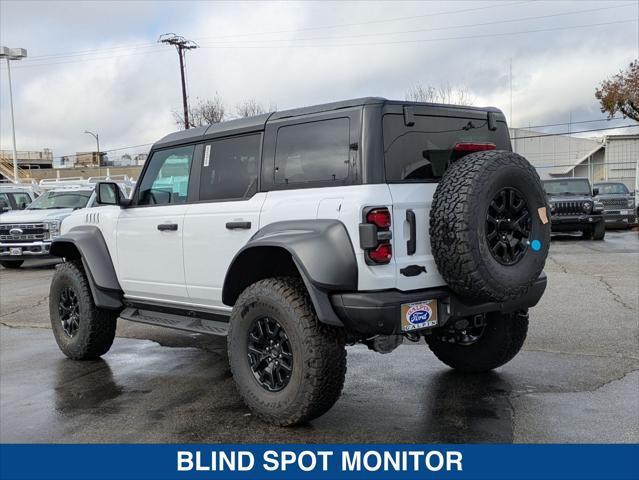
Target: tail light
[(382, 254), (462, 149), (375, 235), (380, 217), (473, 147)]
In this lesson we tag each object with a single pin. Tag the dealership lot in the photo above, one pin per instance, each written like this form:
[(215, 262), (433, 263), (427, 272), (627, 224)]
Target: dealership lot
[(576, 380)]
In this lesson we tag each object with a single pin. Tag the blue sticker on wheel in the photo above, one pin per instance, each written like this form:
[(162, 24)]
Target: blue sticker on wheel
[(535, 245)]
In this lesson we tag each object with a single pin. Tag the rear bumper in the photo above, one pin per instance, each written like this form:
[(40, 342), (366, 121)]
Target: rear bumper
[(27, 250), (565, 223), (379, 313)]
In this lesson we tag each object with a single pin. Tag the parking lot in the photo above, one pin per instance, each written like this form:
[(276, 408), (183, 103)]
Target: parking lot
[(576, 380)]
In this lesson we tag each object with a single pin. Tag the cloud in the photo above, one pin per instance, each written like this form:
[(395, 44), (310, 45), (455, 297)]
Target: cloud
[(126, 87)]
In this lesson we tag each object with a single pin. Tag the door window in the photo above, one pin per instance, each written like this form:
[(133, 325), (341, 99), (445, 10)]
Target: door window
[(22, 200), (166, 179), (5, 204), (229, 168), (313, 152)]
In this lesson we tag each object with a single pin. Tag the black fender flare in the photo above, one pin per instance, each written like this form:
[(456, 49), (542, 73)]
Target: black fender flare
[(88, 242), (321, 250)]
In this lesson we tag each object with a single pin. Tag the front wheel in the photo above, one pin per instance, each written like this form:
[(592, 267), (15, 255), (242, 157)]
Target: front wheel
[(11, 263), (599, 231), (82, 330), (288, 366), (482, 348)]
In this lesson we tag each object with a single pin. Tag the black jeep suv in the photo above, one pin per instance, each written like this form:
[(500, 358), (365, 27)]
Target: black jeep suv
[(572, 207)]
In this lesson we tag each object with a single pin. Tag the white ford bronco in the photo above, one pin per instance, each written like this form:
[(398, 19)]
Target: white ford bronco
[(296, 233)]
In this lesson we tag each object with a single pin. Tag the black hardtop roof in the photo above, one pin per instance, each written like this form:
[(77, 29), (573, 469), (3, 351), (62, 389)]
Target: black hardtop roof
[(258, 122)]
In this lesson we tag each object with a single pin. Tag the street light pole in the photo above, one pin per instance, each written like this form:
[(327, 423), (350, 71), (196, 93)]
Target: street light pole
[(13, 54), (97, 141)]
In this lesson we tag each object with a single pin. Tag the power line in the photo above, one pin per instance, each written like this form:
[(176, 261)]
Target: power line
[(335, 45), (447, 27), (567, 123), (573, 133), (321, 27), (107, 151), (370, 22), (422, 40), (150, 48)]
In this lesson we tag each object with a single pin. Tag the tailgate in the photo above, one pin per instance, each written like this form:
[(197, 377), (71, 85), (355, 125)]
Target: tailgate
[(408, 200)]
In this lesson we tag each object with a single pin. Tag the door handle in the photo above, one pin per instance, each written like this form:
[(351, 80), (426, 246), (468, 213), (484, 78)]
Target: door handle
[(411, 244), (167, 227), (238, 225)]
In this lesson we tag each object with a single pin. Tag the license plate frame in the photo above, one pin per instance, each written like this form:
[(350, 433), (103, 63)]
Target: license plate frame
[(419, 315), (14, 251)]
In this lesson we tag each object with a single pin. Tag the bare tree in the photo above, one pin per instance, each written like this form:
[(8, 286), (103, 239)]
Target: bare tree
[(249, 108), (445, 93), (204, 112)]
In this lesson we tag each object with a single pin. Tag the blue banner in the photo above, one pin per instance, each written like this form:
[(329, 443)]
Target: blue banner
[(158, 462)]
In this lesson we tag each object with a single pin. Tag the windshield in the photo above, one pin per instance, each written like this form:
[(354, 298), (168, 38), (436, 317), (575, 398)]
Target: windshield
[(567, 187), (423, 151), (76, 199), (611, 188)]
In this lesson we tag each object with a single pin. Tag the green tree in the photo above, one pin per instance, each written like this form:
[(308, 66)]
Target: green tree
[(620, 93)]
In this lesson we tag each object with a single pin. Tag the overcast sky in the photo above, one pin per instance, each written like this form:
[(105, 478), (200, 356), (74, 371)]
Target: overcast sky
[(97, 66)]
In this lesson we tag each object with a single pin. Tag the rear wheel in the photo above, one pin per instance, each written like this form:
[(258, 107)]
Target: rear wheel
[(479, 349), (82, 330), (288, 366), (11, 263), (599, 231)]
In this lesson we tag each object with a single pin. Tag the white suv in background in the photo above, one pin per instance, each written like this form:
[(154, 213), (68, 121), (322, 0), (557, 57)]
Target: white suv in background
[(296, 233), (27, 234)]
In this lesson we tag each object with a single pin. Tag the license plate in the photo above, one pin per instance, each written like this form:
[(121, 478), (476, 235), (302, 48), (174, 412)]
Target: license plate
[(15, 251), (419, 315)]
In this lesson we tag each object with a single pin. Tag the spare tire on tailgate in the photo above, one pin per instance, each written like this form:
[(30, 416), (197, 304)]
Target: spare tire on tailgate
[(489, 226)]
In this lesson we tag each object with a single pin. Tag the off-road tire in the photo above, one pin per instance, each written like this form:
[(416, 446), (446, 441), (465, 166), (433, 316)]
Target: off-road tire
[(458, 226), (319, 353), (598, 232), (11, 263), (96, 329), (501, 340)]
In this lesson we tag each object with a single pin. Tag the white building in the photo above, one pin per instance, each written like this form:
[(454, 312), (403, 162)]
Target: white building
[(612, 157)]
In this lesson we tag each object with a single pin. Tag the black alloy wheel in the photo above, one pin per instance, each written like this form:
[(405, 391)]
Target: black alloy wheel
[(69, 310), (270, 354), (508, 226)]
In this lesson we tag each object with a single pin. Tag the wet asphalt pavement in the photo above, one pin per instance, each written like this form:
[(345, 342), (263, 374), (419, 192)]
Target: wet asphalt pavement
[(576, 380)]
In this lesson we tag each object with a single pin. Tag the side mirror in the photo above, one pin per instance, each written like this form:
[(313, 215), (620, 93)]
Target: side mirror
[(108, 193), (595, 192)]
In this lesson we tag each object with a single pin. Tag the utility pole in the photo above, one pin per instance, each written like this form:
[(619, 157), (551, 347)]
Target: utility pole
[(181, 44)]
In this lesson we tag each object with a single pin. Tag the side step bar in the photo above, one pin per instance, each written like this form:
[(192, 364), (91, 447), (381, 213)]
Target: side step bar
[(178, 322)]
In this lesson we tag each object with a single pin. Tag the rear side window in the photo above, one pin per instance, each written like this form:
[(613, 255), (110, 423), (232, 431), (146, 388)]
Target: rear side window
[(313, 152), (229, 168), (423, 151)]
